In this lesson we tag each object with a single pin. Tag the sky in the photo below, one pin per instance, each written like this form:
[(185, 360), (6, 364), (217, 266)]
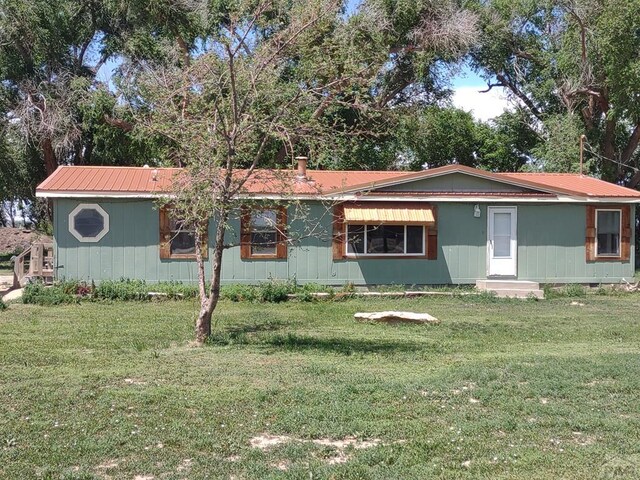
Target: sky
[(467, 96)]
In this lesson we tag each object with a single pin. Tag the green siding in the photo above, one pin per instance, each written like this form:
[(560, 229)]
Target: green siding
[(455, 182), (550, 249)]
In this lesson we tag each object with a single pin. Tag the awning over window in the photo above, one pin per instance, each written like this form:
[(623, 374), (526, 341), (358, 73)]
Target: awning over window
[(422, 215)]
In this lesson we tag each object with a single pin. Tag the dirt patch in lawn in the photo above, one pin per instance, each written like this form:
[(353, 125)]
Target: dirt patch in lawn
[(341, 446)]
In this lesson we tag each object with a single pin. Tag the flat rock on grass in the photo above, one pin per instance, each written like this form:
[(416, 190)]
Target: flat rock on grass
[(13, 295), (395, 317)]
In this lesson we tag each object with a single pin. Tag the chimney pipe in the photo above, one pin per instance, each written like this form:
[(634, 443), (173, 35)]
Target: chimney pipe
[(302, 168)]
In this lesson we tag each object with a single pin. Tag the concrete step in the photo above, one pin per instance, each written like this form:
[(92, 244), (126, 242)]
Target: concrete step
[(517, 293), (490, 284), (510, 288)]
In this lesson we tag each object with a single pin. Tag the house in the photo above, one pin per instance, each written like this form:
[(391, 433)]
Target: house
[(447, 225)]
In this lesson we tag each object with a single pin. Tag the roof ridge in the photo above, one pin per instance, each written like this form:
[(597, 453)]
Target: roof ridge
[(546, 173)]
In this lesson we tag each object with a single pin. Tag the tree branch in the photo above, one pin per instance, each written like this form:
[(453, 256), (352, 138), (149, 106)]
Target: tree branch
[(520, 94), (632, 145), (118, 122)]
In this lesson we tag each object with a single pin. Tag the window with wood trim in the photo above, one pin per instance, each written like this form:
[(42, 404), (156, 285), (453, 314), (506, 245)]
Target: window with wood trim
[(263, 233), (178, 238), (398, 240), (608, 233), (356, 240)]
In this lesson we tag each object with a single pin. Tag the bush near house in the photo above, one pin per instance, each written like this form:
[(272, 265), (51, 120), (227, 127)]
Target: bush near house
[(72, 291)]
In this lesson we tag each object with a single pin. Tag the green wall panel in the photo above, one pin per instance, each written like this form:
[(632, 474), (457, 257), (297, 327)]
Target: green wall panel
[(550, 249), (454, 182)]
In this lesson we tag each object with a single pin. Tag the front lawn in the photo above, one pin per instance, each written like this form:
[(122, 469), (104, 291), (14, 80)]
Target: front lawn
[(501, 389)]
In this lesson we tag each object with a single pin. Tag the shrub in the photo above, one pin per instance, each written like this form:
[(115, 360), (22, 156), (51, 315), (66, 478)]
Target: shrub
[(568, 290), (38, 294), (123, 289), (305, 293), (175, 290), (239, 293), (275, 291), (3, 306)]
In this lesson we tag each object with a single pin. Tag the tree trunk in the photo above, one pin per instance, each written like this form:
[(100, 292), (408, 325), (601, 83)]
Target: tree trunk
[(209, 302), (203, 323), (50, 161)]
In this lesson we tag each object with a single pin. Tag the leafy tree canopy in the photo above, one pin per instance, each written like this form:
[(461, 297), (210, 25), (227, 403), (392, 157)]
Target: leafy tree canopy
[(575, 66)]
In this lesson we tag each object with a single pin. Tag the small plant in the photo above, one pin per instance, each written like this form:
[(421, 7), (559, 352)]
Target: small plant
[(3, 306), (574, 290), (348, 287)]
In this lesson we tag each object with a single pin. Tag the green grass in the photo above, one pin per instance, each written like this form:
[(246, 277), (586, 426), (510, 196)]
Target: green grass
[(501, 389)]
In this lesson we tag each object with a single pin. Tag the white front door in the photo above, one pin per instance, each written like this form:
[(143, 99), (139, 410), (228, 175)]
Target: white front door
[(502, 241)]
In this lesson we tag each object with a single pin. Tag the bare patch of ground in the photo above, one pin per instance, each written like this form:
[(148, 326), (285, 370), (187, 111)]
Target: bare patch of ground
[(185, 465), (107, 465), (341, 446), (282, 465), (134, 381)]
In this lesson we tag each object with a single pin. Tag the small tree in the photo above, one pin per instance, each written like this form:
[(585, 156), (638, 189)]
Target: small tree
[(272, 76), (226, 111)]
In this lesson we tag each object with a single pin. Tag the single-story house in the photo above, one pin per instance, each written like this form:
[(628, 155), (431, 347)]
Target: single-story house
[(447, 225)]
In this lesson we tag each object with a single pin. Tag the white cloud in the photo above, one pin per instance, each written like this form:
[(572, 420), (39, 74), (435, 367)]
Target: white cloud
[(483, 106)]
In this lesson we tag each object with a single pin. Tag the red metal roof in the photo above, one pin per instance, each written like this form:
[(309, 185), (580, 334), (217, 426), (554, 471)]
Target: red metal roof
[(580, 184), (80, 180)]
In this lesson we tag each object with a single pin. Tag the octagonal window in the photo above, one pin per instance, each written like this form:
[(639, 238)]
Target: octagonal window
[(88, 222)]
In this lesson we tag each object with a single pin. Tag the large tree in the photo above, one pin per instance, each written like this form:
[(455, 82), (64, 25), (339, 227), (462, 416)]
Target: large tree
[(574, 66), (57, 102)]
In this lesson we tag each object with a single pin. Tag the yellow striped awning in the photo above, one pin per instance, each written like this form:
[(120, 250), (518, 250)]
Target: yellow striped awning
[(422, 215)]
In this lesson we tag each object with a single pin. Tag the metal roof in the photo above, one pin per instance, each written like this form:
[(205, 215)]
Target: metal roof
[(422, 215), (149, 181)]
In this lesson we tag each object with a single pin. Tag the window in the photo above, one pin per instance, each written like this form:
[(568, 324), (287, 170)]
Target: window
[(183, 238), (263, 233), (385, 239), (608, 229), (608, 236), (385, 230), (177, 238), (88, 222)]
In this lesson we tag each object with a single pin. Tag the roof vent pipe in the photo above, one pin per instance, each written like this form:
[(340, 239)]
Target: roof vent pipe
[(302, 168)]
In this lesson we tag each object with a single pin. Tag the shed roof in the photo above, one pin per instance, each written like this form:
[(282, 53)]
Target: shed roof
[(144, 181)]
